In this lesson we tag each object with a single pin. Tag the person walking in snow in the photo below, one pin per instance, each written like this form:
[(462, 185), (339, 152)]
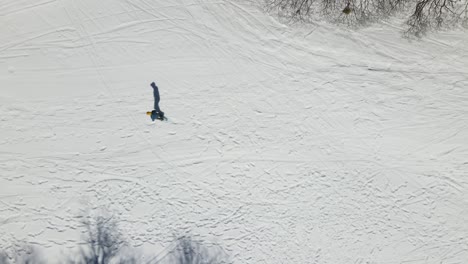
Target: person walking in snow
[(156, 113)]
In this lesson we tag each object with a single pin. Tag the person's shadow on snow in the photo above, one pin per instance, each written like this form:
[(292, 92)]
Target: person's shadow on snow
[(156, 113)]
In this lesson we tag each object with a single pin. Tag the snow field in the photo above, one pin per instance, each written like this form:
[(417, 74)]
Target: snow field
[(286, 143)]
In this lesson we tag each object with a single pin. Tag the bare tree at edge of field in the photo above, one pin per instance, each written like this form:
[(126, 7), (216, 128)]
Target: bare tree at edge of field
[(421, 15)]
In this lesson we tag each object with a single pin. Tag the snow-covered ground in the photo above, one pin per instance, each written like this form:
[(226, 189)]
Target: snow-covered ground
[(285, 143)]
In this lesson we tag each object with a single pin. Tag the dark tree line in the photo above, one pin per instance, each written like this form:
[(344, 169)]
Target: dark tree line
[(421, 15)]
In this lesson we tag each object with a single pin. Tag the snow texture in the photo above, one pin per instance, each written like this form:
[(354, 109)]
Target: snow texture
[(286, 143)]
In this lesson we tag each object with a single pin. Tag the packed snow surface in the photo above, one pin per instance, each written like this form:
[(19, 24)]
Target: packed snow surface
[(285, 143)]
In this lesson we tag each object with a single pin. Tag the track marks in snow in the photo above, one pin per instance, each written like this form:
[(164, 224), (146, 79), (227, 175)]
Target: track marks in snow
[(16, 6)]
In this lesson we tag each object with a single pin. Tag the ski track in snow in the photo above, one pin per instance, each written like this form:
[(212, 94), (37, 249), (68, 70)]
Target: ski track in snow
[(284, 145)]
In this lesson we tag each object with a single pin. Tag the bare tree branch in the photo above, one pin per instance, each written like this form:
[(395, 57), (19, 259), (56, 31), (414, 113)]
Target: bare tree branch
[(424, 15)]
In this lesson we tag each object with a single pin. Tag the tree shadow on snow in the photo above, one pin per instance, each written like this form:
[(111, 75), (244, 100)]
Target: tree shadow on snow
[(104, 243), (26, 254), (189, 251)]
